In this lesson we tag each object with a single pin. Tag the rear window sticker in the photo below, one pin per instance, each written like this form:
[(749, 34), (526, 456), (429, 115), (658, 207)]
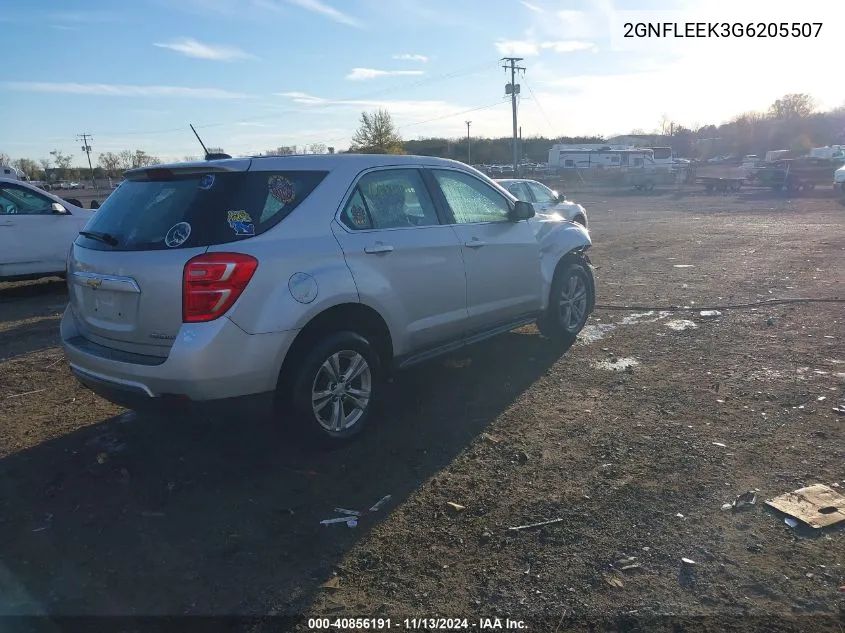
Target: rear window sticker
[(207, 181), (177, 235), (281, 189), (241, 223), (359, 215)]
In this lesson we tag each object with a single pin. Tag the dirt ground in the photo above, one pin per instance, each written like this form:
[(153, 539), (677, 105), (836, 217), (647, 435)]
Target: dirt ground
[(634, 438)]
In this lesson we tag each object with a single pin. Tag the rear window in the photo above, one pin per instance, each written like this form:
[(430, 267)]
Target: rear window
[(185, 211)]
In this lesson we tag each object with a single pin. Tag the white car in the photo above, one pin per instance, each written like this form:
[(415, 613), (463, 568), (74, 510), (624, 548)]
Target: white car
[(36, 231), (839, 179), (544, 199)]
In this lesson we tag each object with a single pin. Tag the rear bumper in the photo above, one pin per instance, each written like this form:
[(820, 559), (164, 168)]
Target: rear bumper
[(215, 361)]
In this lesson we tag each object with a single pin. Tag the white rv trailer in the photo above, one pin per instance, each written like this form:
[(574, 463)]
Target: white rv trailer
[(604, 158)]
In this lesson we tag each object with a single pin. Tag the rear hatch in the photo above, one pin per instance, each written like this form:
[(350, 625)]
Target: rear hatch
[(126, 269)]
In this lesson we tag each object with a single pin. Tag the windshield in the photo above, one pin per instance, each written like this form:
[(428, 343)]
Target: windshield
[(184, 211)]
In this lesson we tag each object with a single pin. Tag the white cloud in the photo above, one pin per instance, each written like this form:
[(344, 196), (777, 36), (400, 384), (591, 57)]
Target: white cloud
[(303, 98), (532, 7), (517, 47), (569, 46), (192, 48), (359, 74), (124, 90), (317, 6), (408, 57)]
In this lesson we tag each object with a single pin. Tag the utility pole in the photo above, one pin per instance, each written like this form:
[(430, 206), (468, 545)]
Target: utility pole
[(513, 89), (469, 154), (86, 147)]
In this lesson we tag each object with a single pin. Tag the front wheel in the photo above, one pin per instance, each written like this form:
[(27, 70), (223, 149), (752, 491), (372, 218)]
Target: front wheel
[(569, 303), (337, 388)]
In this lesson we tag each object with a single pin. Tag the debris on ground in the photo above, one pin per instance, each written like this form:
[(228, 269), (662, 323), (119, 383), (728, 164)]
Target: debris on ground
[(791, 522), (679, 325), (719, 444), (378, 505), (457, 507), (351, 517), (613, 581), (710, 314), (331, 583), (618, 364), (535, 525), (745, 500), (818, 506)]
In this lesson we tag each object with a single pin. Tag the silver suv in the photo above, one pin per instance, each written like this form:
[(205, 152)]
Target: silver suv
[(296, 284)]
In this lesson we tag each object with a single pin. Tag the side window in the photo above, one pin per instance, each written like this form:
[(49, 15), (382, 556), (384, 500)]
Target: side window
[(519, 190), (390, 199), (355, 214), (541, 193), (20, 201), (569, 163), (471, 200)]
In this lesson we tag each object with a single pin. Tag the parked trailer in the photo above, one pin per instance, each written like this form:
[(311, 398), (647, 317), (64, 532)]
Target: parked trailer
[(798, 174), (716, 183)]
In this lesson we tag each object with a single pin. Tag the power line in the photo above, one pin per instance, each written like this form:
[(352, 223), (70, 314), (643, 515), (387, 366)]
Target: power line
[(540, 107)]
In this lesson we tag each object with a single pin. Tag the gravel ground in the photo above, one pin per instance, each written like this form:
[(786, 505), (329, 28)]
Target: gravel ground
[(631, 440)]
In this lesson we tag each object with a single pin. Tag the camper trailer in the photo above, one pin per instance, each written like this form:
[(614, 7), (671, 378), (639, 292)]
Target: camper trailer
[(606, 157), (11, 173), (635, 166)]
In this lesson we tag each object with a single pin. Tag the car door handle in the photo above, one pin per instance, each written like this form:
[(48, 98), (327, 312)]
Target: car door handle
[(475, 243), (378, 248)]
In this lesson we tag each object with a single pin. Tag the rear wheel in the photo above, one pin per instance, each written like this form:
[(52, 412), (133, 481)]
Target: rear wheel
[(569, 302), (580, 219), (337, 388)]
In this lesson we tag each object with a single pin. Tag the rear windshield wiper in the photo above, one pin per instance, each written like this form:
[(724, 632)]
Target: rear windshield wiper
[(100, 237)]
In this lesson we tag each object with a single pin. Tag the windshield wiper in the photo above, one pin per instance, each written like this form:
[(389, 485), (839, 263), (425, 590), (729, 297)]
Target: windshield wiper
[(100, 237)]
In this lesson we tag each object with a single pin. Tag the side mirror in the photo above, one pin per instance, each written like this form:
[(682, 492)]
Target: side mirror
[(58, 209), (521, 211)]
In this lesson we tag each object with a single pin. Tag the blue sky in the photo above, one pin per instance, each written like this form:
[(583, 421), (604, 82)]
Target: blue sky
[(256, 74)]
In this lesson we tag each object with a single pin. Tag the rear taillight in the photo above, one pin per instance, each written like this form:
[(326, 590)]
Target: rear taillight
[(211, 283)]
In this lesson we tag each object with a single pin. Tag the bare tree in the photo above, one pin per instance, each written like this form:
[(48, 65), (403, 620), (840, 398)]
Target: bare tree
[(45, 164), (125, 157), (62, 160), (141, 159), (110, 162), (281, 151), (317, 148), (793, 106), (377, 135), (5, 159), (29, 167)]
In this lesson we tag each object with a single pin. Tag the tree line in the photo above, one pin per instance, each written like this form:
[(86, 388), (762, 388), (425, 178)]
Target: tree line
[(793, 122)]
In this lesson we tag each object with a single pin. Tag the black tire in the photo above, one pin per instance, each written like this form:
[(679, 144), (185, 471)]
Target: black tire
[(580, 219), (648, 185), (556, 323), (313, 376)]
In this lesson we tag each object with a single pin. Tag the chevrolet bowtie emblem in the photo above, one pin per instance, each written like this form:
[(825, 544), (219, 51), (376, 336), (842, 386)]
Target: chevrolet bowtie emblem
[(94, 283)]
